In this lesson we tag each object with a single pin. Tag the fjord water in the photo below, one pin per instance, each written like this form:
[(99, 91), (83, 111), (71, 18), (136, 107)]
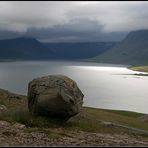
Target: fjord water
[(104, 85)]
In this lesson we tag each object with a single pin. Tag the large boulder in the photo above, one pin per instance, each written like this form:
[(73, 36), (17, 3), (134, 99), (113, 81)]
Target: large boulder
[(54, 95)]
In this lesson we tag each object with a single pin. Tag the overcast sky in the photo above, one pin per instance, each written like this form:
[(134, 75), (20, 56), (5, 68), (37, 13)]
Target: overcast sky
[(56, 21)]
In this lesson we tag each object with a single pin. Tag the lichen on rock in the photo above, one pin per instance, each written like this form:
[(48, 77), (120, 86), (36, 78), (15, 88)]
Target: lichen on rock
[(54, 95)]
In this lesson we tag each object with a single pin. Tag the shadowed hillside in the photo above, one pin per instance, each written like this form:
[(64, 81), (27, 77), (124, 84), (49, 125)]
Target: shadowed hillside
[(23, 48), (26, 48), (79, 50), (133, 50)]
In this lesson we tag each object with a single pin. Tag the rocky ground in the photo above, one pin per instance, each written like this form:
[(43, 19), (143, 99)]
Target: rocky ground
[(19, 135)]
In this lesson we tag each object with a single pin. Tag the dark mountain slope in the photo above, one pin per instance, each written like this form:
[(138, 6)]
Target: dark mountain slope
[(133, 50), (27, 48), (79, 50), (23, 48)]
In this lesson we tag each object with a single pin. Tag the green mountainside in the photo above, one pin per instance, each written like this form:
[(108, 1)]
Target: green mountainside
[(133, 50)]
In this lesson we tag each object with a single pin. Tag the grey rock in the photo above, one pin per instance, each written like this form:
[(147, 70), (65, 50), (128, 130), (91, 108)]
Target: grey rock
[(54, 95), (4, 123), (3, 108), (19, 126), (144, 118)]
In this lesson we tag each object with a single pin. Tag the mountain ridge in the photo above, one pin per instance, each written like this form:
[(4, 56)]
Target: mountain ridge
[(79, 50), (133, 50), (28, 48), (23, 48)]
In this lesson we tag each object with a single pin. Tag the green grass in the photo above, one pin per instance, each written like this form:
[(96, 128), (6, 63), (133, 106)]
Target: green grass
[(126, 113), (139, 68), (89, 119), (93, 116), (24, 117), (12, 101)]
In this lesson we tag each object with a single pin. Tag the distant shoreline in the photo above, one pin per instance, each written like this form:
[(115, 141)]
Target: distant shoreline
[(63, 60), (139, 68)]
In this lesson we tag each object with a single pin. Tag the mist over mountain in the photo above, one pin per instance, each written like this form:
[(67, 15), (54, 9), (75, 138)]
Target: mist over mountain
[(75, 30), (132, 50)]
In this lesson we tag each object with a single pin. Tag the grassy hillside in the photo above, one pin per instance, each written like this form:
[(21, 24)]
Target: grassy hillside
[(90, 119), (133, 50), (91, 127)]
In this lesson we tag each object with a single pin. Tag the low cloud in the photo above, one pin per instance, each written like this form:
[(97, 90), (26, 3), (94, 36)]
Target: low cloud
[(78, 31), (51, 21)]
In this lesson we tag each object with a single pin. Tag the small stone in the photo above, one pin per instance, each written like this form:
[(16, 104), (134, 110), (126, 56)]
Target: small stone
[(3, 108), (19, 126), (4, 123), (144, 118)]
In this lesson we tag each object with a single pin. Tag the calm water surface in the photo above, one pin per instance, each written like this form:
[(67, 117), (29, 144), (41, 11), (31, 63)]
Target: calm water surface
[(104, 86)]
